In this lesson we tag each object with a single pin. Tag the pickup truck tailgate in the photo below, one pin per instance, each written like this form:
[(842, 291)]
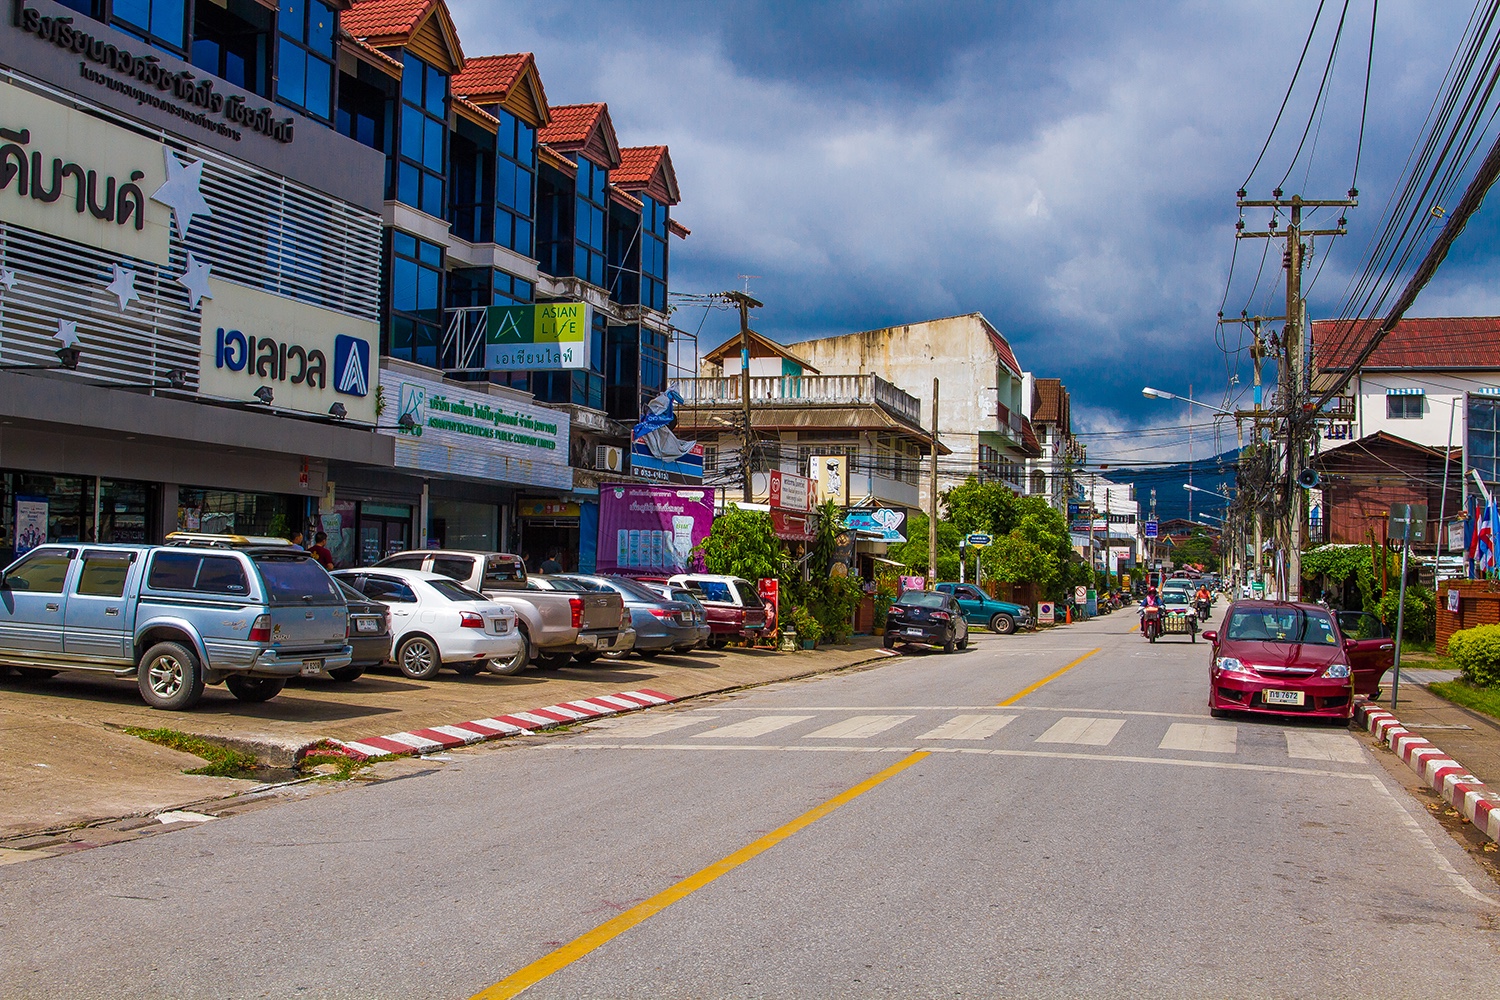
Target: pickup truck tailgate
[(602, 611)]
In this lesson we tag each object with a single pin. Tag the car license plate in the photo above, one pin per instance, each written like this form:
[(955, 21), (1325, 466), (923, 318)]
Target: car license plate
[(312, 668), (499, 626), (1273, 696), (913, 631), (588, 641), (367, 625)]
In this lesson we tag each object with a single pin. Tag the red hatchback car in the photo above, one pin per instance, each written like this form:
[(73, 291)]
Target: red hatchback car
[(1295, 659)]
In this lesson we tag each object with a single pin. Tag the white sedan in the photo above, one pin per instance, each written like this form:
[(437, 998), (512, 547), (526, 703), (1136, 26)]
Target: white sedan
[(436, 622)]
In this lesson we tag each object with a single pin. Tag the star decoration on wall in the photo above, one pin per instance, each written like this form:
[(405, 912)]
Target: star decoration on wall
[(195, 279), (181, 193), (123, 286), (7, 278), (67, 333)]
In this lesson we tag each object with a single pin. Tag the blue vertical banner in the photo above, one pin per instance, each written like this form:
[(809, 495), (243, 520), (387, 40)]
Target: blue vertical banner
[(588, 537)]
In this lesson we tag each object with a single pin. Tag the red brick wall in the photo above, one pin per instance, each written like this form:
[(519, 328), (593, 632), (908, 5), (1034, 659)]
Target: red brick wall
[(1478, 604)]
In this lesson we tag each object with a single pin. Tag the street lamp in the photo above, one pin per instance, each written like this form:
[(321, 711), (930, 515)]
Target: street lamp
[(1151, 393)]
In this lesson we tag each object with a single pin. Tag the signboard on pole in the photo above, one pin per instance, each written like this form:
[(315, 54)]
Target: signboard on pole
[(789, 492), (1408, 521), (1151, 529), (1046, 612), (1080, 595), (978, 540)]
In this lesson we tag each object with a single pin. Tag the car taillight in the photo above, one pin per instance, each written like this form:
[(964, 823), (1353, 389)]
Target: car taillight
[(468, 619), (576, 603), (941, 616), (663, 613), (260, 629)]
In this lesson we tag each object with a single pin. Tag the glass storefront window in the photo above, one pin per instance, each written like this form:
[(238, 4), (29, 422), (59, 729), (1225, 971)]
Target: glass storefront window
[(456, 525), (227, 512)]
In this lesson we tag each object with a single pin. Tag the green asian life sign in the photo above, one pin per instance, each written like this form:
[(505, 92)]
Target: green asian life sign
[(550, 335)]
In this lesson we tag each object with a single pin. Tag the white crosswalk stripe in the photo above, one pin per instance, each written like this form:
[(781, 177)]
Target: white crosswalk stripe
[(758, 726), (1323, 746), (969, 727), (1084, 732), (858, 727), (646, 725), (1200, 739)]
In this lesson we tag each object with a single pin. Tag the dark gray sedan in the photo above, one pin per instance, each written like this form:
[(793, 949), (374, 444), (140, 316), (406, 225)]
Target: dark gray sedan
[(661, 624)]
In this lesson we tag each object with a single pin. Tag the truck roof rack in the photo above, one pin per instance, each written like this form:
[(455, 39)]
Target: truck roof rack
[(202, 539)]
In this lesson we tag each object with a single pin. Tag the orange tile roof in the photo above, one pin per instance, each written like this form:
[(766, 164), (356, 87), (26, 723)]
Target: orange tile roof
[(1416, 342), (490, 75), (637, 164), (571, 123), (382, 18), (371, 51)]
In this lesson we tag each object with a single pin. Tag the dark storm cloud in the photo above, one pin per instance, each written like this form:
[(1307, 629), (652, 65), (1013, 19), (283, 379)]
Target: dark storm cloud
[(1067, 169)]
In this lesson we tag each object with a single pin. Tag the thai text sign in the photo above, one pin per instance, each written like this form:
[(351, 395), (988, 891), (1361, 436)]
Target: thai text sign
[(71, 175), (652, 530), (475, 434), (308, 357), (789, 492), (550, 335)]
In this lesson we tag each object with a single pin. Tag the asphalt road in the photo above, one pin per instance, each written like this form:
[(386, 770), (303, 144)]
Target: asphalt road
[(899, 831)]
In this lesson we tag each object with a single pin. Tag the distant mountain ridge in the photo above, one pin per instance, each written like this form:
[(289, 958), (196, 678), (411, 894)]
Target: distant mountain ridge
[(1171, 499)]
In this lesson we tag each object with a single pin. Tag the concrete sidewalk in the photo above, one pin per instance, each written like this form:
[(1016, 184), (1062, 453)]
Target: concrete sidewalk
[(64, 760), (1471, 738)]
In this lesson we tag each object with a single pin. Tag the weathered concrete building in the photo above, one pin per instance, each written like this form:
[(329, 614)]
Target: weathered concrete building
[(981, 411)]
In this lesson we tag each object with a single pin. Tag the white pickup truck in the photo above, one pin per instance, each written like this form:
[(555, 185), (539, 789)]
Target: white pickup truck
[(559, 625)]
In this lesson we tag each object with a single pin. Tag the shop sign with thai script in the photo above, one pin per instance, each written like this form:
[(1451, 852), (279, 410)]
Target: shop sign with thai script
[(475, 434), (144, 78), (305, 357), (71, 175), (550, 335)]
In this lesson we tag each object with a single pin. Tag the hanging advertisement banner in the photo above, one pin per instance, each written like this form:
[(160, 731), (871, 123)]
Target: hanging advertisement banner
[(551, 335), (830, 479), (791, 527), (789, 492), (882, 525), (652, 530), (31, 523)]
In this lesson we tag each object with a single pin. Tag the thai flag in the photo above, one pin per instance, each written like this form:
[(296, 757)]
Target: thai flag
[(1484, 538)]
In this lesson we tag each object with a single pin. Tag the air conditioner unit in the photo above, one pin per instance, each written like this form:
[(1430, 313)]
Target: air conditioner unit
[(608, 458)]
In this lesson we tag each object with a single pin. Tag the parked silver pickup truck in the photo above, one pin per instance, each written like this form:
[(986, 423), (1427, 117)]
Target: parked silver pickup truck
[(174, 617), (558, 624)]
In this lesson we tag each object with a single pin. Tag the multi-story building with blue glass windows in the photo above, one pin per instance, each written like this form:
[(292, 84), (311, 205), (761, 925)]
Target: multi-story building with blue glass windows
[(495, 198)]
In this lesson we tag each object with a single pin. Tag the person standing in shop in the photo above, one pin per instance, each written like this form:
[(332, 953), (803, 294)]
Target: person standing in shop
[(320, 550)]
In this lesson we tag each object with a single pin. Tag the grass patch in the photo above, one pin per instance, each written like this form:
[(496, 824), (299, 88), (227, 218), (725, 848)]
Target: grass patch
[(222, 761), (1485, 700)]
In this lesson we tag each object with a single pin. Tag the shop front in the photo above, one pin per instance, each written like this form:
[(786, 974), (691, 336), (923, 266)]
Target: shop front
[(550, 529), (465, 454)]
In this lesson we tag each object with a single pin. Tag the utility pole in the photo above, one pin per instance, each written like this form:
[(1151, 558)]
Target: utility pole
[(745, 303), (932, 518), (1296, 378)]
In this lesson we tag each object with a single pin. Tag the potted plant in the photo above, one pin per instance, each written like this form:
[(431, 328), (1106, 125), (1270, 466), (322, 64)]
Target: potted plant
[(807, 627)]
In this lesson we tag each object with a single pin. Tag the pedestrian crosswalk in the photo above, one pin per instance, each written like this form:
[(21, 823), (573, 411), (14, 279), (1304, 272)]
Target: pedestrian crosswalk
[(1128, 732)]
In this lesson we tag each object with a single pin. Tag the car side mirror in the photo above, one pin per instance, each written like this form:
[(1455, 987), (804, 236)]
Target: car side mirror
[(1210, 635), (1351, 644)]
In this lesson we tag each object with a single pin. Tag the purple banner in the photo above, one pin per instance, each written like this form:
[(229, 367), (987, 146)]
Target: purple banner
[(652, 530)]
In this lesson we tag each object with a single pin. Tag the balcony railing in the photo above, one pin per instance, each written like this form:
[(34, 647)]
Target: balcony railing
[(1009, 418), (805, 390)]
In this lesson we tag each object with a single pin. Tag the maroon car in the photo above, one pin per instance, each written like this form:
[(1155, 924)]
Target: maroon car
[(733, 605), (1294, 659)]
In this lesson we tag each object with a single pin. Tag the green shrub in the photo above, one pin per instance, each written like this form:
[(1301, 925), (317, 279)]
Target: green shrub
[(806, 625), (1420, 622), (1477, 653)]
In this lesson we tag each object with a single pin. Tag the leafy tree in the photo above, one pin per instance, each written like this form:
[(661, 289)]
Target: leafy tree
[(741, 543), (913, 552), (1340, 563), (1197, 548)]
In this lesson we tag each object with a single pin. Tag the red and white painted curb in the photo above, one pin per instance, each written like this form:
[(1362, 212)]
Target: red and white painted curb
[(1442, 773), (436, 738)]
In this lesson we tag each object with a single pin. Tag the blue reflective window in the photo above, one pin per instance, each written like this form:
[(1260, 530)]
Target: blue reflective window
[(413, 327), (162, 23), (305, 57), (515, 178), (423, 137)]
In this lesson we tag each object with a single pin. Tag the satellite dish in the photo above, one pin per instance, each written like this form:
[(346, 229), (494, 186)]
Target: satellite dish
[(1307, 478)]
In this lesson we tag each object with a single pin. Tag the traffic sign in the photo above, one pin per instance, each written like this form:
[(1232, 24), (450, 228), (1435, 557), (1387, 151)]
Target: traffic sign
[(1151, 527), (978, 540)]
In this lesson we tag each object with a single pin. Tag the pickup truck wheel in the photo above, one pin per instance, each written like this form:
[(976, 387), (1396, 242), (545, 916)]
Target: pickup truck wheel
[(419, 659), (170, 677), (346, 674), (254, 689), (470, 668), (1002, 623), (650, 654)]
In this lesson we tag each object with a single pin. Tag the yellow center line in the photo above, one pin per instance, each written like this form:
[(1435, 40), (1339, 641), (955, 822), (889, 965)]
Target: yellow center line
[(571, 952), (1136, 627), (1046, 680)]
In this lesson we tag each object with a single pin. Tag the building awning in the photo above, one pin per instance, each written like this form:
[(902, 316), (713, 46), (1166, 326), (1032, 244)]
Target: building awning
[(1406, 392), (888, 562)]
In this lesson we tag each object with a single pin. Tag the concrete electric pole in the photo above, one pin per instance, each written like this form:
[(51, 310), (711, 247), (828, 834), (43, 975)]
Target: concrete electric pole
[(932, 518), (745, 303)]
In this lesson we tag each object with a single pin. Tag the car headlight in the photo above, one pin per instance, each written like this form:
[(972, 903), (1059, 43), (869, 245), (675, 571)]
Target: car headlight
[(1230, 664), (1337, 670)]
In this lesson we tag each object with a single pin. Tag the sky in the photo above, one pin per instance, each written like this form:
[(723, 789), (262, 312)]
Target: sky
[(1067, 169)]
